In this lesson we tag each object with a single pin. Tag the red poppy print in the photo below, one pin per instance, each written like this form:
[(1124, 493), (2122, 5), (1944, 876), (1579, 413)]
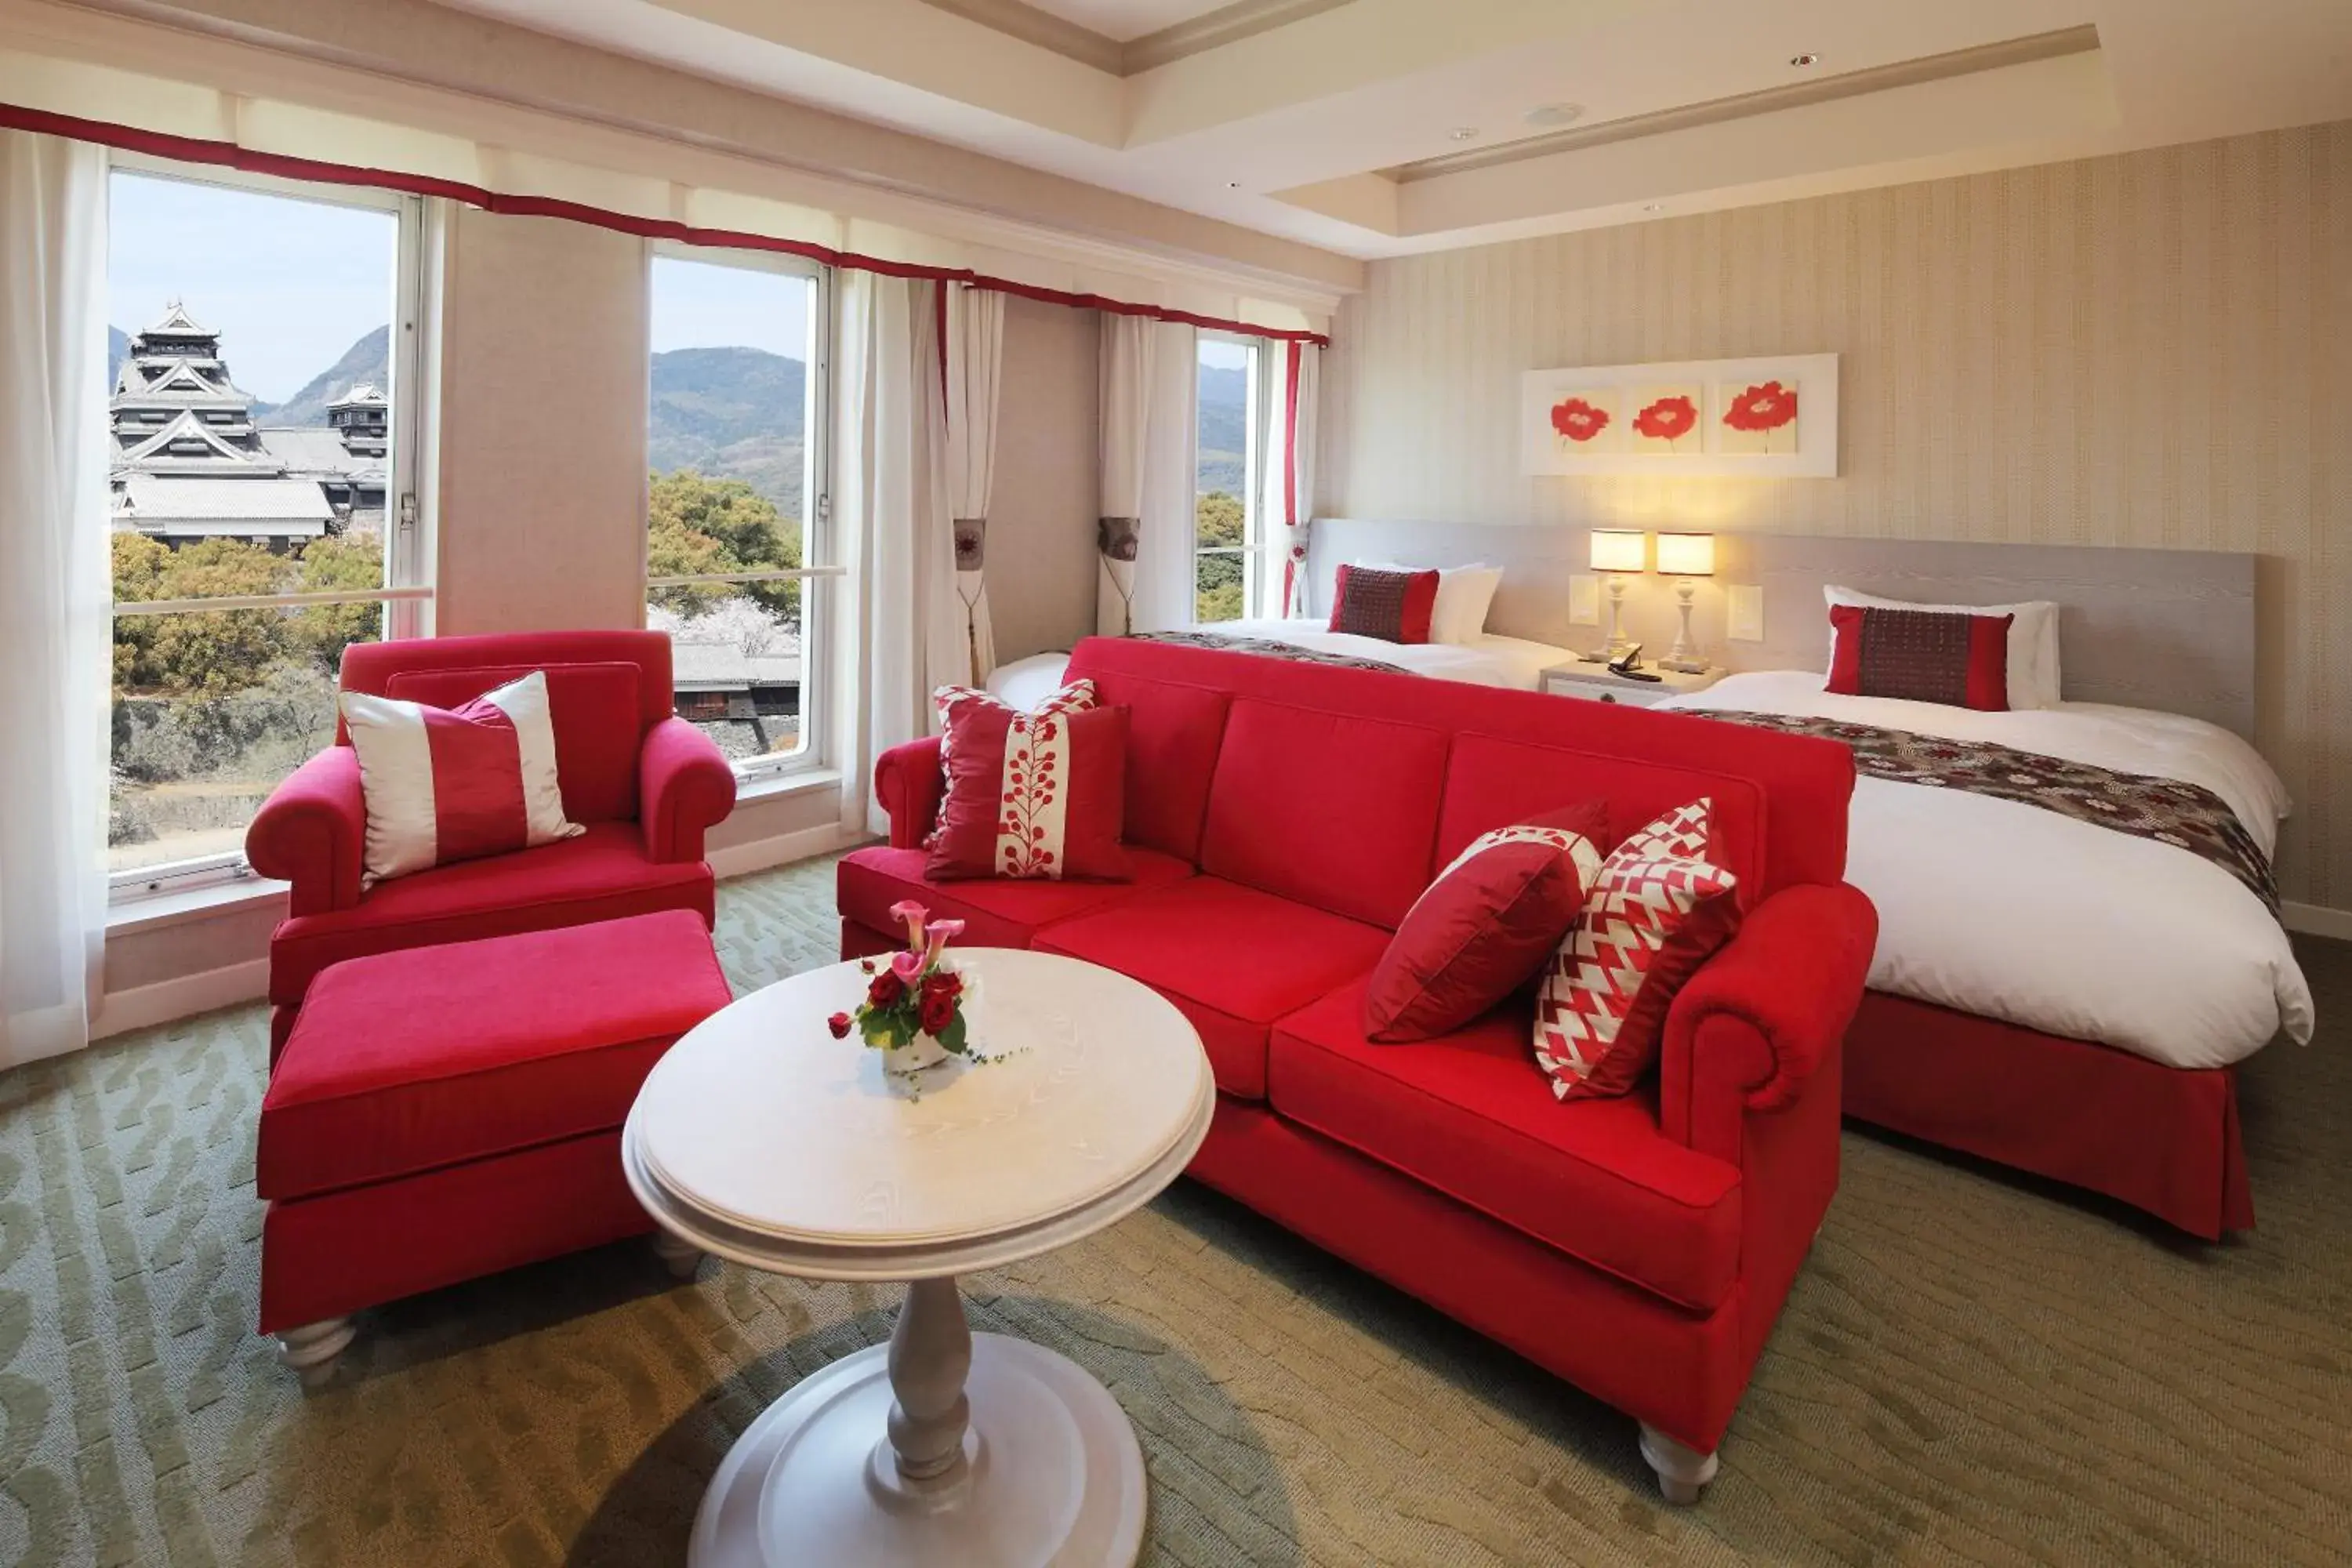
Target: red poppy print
[(1761, 409), (1579, 420), (1667, 419)]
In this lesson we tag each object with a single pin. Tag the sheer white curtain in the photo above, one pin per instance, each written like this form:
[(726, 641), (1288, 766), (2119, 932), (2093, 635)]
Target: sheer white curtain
[(1163, 593), (901, 626), (1289, 444), (54, 592), (975, 365)]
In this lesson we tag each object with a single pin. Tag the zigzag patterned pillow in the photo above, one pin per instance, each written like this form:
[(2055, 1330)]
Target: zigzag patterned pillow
[(1656, 912)]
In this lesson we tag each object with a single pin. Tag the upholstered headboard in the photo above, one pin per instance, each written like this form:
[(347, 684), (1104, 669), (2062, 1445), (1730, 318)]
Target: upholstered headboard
[(2171, 629)]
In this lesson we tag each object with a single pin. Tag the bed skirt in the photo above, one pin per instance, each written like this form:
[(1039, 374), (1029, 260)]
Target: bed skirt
[(2160, 1139)]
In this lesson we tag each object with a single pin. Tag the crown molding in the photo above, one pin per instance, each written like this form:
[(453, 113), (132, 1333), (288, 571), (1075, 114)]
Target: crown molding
[(2056, 45), (1226, 24)]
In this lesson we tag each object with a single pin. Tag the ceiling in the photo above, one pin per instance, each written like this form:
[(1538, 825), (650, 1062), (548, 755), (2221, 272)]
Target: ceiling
[(1382, 127)]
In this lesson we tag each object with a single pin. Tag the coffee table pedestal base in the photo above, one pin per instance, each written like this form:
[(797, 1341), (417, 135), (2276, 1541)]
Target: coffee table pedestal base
[(1051, 1473)]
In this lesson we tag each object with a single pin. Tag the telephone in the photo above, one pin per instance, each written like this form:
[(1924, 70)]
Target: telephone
[(1629, 665)]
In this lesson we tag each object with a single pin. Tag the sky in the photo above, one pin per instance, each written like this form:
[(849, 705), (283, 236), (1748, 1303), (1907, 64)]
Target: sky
[(698, 305), (289, 284)]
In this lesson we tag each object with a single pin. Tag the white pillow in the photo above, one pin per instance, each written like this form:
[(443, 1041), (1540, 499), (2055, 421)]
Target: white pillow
[(2032, 654), (1464, 592)]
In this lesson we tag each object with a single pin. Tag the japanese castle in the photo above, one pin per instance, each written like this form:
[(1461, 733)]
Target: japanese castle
[(189, 462)]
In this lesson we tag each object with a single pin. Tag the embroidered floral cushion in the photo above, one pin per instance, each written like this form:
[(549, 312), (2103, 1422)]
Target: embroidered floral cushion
[(1486, 925), (1074, 698), (1655, 912), (1394, 606), (1033, 795), (455, 783), (1920, 656)]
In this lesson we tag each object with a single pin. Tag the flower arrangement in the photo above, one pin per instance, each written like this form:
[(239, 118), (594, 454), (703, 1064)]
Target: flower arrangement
[(915, 1003)]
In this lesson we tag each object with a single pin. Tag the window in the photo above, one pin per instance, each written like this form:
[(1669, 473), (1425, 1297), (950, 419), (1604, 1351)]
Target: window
[(1229, 541), (253, 539), (737, 528)]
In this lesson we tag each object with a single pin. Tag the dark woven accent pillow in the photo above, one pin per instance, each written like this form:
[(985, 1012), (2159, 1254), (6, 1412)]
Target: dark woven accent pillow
[(1920, 656), (1394, 606)]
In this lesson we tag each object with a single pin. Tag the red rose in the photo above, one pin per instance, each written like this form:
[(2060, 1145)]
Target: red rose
[(885, 990), (938, 1011), (1765, 407), (943, 982), (839, 1025), (1667, 419), (1579, 420)]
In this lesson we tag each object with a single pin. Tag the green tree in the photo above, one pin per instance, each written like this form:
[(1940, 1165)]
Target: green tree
[(697, 524), (1219, 522), (204, 653), (337, 564)]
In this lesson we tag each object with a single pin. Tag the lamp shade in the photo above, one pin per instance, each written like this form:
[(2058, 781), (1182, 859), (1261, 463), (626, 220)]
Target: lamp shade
[(1615, 550), (1687, 556)]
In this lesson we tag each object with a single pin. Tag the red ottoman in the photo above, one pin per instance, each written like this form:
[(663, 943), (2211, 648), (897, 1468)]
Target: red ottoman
[(443, 1112)]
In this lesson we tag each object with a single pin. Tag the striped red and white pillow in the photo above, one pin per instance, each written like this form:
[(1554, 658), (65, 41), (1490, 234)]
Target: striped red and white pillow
[(1076, 698), (1655, 912), (454, 784)]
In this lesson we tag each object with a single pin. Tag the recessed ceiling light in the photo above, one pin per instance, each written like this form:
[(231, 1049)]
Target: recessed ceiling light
[(1554, 114), (1653, 207), (1233, 185), (1805, 61), (1463, 133)]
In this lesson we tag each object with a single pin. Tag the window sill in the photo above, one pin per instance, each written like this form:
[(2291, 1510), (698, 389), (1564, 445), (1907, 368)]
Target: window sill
[(783, 786), (155, 911), (158, 911)]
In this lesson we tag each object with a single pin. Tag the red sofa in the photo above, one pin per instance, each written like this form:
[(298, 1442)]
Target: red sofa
[(1282, 818), (645, 784)]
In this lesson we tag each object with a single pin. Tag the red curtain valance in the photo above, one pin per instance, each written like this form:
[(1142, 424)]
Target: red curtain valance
[(228, 154)]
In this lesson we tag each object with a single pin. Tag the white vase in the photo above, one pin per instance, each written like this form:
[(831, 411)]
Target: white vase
[(923, 1051)]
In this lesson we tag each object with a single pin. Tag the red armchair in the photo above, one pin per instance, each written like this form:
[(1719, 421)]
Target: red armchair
[(645, 784)]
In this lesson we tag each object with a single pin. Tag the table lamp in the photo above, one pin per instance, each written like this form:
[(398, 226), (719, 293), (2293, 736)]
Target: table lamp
[(1616, 554), (1684, 556)]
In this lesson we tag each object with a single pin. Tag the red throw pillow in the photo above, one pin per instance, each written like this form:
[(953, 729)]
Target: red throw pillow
[(1485, 925), (1920, 656), (1656, 913), (1394, 606), (1033, 795), (1075, 697)]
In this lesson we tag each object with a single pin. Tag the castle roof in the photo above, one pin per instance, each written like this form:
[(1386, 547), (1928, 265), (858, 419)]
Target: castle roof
[(176, 322), (363, 395), (292, 508)]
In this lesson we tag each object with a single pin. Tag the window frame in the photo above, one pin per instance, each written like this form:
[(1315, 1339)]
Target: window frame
[(407, 592), (819, 561), (1256, 390)]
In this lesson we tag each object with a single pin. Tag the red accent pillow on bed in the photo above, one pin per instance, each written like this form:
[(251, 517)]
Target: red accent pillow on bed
[(1033, 795), (1656, 913), (1394, 606), (1920, 656), (1487, 924)]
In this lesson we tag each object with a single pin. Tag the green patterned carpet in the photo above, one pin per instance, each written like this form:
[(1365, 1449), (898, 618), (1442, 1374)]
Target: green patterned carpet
[(1972, 1370)]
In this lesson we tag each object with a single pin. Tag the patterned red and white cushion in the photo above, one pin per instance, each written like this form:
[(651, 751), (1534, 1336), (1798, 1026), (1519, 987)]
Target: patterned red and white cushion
[(455, 783), (1655, 912), (1074, 698), (1033, 795)]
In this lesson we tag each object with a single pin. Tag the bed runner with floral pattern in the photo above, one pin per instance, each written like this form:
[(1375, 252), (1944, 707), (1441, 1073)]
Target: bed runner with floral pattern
[(1223, 642), (2184, 816)]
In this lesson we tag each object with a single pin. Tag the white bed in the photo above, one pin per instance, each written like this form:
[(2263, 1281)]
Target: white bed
[(1490, 661), (2006, 910)]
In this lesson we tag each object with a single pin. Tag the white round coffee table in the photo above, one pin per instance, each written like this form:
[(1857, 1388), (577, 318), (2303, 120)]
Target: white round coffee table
[(763, 1139)]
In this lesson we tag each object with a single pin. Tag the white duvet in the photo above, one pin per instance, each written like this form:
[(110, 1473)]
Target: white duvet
[(2003, 909), (1490, 661)]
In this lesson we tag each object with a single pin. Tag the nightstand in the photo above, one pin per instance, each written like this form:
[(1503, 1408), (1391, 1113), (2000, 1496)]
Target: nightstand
[(1595, 683)]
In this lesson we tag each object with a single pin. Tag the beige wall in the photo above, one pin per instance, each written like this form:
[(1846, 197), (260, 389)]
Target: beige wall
[(1042, 506), (2150, 350), (542, 479)]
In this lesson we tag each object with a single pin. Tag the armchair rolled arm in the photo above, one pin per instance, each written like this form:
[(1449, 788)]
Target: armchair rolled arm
[(909, 784), (1750, 1030), (310, 831), (685, 788)]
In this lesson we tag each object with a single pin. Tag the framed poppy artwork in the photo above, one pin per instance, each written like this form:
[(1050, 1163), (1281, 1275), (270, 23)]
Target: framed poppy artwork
[(1765, 418)]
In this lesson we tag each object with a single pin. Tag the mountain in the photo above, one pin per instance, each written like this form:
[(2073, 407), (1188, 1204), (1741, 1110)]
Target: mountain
[(733, 413), (1225, 429), (368, 360)]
